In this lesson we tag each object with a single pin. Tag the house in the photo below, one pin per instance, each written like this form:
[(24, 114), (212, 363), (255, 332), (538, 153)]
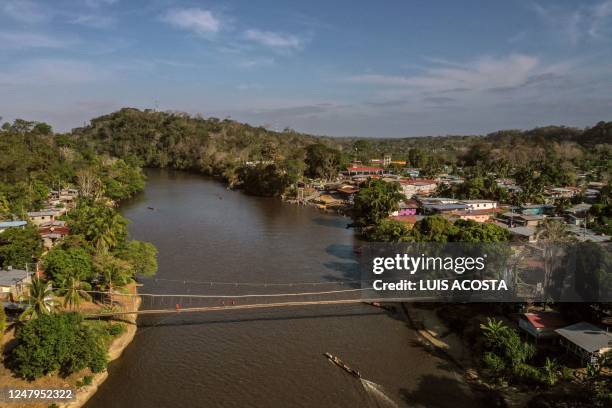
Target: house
[(521, 220), (479, 204), (52, 234), (444, 208), (414, 187), (562, 192), (523, 234), (537, 209), (409, 220), (541, 325), (13, 283), (41, 217), (577, 214), (406, 208), (4, 225), (411, 172), (476, 215), (586, 341), (364, 171), (437, 200)]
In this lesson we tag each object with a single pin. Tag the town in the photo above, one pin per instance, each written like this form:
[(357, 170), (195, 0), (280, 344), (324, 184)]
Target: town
[(65, 253)]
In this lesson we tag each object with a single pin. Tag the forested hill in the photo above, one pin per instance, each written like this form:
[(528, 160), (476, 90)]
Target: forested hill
[(181, 141)]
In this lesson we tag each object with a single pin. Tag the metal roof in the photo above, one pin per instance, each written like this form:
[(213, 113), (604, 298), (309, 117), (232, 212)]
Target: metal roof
[(12, 224), (11, 277), (586, 336)]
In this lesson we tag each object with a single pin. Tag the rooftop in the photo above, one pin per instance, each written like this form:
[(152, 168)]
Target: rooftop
[(524, 231), (11, 277), (12, 224), (543, 320), (45, 213), (586, 336)]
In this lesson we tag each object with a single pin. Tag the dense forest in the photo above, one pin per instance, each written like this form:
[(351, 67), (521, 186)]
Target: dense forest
[(165, 139)]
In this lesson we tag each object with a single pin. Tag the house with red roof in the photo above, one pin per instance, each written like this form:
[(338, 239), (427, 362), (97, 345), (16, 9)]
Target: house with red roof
[(541, 325)]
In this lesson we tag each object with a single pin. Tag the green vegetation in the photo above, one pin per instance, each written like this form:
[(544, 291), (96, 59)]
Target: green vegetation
[(57, 343), (40, 299), (374, 201), (3, 322), (322, 162), (61, 264), (19, 247)]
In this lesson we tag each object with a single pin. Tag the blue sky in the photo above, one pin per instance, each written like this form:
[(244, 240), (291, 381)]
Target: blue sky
[(344, 68)]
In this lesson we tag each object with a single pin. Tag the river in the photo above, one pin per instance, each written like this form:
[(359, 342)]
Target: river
[(264, 357)]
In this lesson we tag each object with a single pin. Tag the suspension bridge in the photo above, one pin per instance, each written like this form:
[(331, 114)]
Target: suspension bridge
[(233, 297)]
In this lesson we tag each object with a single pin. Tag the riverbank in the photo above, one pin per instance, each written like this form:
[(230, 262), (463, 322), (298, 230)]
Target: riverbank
[(84, 392), (115, 350)]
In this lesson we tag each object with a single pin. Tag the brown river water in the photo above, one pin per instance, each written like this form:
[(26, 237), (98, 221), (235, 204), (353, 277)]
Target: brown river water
[(262, 357)]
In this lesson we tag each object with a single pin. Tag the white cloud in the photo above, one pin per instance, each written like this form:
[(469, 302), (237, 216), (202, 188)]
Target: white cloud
[(95, 21), (50, 72), (484, 74), (578, 23), (193, 19), (21, 40), (26, 11), (274, 39), (256, 62), (99, 3)]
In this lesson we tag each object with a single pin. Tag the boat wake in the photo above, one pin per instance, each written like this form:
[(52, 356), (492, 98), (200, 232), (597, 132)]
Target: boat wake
[(377, 395)]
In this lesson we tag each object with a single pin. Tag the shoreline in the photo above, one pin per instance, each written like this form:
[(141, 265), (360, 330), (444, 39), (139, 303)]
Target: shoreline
[(84, 393)]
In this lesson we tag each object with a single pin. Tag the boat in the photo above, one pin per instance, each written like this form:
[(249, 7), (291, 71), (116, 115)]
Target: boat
[(335, 360), (150, 208)]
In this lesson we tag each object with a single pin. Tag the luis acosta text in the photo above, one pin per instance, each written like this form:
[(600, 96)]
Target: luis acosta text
[(411, 265)]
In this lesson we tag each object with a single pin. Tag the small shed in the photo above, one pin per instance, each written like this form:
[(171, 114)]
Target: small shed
[(586, 340), (13, 282)]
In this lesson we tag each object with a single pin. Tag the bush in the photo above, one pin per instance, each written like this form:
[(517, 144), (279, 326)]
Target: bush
[(87, 380), (527, 374), (57, 342), (494, 362), (2, 320), (116, 329)]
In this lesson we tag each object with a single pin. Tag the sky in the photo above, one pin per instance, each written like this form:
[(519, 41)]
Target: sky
[(392, 68)]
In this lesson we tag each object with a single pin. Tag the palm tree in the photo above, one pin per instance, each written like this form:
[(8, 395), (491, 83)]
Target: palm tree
[(40, 299), (553, 231), (493, 330), (553, 236), (74, 291)]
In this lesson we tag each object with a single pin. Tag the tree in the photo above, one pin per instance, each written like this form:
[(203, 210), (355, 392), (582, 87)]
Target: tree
[(112, 273), (104, 227), (62, 264), (434, 229), (472, 231), (142, 256), (265, 180), (54, 343), (19, 247), (40, 299), (390, 231), (374, 202), (322, 161), (74, 290)]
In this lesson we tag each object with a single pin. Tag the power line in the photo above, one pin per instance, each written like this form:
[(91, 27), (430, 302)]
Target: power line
[(261, 284)]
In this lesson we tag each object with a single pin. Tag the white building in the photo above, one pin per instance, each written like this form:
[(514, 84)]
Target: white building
[(479, 204)]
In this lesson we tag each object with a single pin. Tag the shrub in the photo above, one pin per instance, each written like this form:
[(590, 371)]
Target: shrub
[(494, 362), (116, 329), (2, 320), (527, 374), (58, 342)]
